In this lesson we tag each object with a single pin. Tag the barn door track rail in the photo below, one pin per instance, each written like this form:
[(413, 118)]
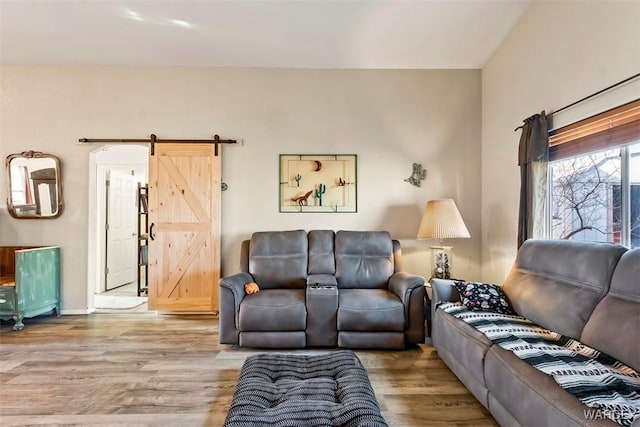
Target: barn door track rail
[(153, 139)]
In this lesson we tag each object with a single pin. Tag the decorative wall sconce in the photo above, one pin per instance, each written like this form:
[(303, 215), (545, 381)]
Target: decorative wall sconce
[(417, 176)]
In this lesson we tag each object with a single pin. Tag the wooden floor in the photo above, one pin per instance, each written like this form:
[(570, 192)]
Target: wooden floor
[(160, 370)]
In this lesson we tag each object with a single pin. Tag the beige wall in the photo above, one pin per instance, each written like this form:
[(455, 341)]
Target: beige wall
[(560, 52), (390, 119)]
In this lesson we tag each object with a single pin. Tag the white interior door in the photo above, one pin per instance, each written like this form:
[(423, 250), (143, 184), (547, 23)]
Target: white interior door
[(121, 229)]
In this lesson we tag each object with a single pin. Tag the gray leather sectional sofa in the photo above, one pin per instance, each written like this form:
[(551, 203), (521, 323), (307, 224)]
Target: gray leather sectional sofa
[(322, 289), (587, 291)]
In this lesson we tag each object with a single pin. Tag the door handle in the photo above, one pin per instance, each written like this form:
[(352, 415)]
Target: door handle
[(152, 234)]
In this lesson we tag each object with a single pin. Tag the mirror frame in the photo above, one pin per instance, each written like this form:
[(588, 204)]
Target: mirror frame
[(34, 155)]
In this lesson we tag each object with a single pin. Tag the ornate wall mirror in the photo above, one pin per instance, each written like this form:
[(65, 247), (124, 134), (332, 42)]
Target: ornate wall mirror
[(35, 185)]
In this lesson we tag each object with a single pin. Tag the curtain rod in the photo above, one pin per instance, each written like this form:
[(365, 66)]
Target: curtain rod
[(635, 76), (153, 139)]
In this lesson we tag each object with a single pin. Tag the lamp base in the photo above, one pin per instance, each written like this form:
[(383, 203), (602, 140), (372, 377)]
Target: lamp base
[(441, 262)]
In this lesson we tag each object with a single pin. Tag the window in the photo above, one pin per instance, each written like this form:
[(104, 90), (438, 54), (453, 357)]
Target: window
[(21, 192), (594, 178)]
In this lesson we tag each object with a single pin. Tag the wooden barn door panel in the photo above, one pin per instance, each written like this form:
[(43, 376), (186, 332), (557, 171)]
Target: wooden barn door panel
[(184, 208)]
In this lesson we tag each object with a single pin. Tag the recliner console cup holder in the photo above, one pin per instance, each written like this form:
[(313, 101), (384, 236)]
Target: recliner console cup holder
[(322, 312)]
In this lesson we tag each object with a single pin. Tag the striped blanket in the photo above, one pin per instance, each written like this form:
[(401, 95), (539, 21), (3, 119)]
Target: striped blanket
[(594, 378), (290, 390)]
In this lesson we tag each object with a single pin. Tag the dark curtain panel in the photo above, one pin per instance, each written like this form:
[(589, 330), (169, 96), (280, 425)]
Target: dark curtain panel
[(532, 158)]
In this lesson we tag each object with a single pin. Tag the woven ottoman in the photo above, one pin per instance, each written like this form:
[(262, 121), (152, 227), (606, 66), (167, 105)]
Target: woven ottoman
[(304, 390)]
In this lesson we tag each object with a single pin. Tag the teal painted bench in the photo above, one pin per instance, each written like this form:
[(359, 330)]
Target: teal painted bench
[(29, 282)]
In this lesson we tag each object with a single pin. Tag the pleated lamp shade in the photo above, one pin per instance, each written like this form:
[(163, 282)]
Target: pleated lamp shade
[(442, 220)]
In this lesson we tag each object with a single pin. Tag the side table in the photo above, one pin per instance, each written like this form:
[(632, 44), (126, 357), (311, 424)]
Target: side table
[(427, 311)]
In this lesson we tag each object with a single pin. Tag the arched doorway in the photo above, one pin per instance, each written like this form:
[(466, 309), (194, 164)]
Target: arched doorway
[(114, 173)]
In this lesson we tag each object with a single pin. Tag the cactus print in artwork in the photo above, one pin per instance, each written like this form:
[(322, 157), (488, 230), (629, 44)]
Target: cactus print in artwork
[(483, 297)]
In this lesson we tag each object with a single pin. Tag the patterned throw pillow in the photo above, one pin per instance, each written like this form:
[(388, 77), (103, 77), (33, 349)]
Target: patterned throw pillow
[(483, 297)]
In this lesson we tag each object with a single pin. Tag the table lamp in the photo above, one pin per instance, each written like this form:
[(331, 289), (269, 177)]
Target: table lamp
[(442, 220)]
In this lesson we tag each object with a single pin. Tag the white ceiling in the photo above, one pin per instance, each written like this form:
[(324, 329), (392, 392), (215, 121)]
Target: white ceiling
[(406, 34)]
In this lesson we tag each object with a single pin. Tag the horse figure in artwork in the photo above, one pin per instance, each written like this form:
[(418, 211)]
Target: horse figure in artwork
[(303, 200)]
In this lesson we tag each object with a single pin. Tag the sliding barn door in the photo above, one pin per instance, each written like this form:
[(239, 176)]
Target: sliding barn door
[(184, 218)]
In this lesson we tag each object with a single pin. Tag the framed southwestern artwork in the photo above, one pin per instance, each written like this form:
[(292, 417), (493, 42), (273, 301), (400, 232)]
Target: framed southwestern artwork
[(318, 183)]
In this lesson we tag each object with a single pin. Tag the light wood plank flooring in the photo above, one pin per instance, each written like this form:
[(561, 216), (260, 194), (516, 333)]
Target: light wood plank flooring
[(163, 370)]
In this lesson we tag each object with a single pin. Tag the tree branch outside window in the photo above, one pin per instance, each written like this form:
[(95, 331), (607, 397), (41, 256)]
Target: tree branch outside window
[(584, 206)]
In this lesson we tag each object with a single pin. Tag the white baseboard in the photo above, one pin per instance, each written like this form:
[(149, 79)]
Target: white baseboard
[(179, 313), (67, 312)]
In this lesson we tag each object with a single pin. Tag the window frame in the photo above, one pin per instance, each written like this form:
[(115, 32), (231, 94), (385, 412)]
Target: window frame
[(618, 127)]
